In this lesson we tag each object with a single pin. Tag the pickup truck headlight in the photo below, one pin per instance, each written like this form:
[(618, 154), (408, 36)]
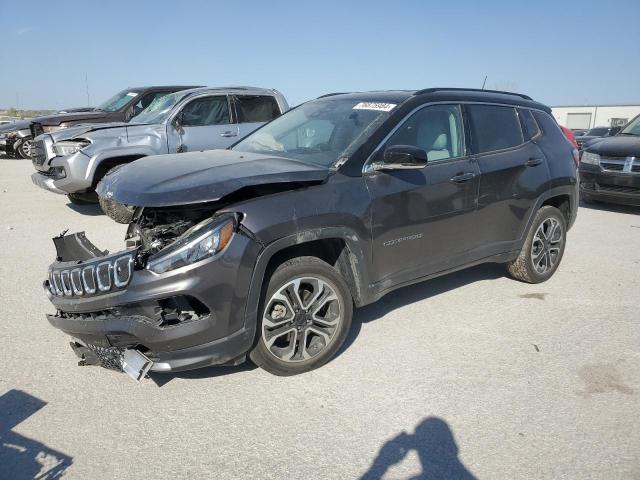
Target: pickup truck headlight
[(69, 147), (201, 241), (590, 158)]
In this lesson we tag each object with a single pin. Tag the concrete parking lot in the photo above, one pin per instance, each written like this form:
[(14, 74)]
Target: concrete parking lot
[(472, 375)]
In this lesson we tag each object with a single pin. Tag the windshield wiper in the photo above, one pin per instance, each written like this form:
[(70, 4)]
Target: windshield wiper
[(631, 134)]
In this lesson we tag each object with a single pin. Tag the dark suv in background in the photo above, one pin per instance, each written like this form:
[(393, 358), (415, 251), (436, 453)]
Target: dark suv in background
[(610, 167), (124, 105), (264, 249)]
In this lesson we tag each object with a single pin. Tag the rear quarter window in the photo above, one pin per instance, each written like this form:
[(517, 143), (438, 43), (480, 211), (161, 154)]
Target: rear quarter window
[(494, 127), (549, 126), (529, 124)]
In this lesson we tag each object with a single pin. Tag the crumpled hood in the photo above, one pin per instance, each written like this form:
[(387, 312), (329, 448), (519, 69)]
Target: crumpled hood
[(197, 177), (15, 126), (618, 146), (57, 119)]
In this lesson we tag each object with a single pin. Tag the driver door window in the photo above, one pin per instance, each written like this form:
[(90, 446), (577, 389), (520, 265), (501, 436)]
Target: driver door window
[(206, 111), (203, 124), (437, 130)]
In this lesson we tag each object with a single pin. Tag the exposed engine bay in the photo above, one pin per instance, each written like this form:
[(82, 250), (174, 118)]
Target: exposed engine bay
[(155, 228)]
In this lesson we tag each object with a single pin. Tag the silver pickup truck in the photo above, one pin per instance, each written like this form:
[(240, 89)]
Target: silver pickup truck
[(72, 161)]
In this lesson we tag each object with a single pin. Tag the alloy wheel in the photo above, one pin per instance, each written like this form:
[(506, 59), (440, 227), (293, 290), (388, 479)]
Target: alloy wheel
[(547, 245), (301, 318), (27, 148)]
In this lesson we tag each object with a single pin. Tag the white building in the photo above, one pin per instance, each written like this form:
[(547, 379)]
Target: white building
[(594, 116)]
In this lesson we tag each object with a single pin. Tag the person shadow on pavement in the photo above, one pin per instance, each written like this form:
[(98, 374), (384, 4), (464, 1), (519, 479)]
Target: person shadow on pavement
[(436, 447), (23, 458)]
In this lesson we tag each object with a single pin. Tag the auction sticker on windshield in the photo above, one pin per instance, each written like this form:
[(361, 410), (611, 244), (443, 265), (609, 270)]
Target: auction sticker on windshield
[(382, 107), (132, 94)]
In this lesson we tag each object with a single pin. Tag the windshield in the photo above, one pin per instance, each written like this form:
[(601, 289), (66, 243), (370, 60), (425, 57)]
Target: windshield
[(118, 101), (632, 128), (159, 110), (320, 131)]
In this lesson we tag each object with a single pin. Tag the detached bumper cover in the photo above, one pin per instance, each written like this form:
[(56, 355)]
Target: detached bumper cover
[(187, 318), (45, 182), (607, 186)]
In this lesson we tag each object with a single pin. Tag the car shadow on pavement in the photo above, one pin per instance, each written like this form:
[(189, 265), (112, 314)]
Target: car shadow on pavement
[(611, 207), (419, 291), (435, 446), (161, 379), (89, 209), (21, 457)]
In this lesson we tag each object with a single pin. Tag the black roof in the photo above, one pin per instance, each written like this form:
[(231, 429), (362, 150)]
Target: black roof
[(445, 94)]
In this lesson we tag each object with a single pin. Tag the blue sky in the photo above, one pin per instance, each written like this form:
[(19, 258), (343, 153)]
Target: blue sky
[(558, 52)]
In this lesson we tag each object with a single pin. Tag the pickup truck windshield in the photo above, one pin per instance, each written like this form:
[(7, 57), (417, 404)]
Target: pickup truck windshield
[(159, 110), (633, 127), (320, 131), (118, 101)]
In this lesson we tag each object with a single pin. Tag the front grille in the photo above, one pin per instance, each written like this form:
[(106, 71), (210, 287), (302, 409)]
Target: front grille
[(612, 166), (109, 357), (618, 189), (620, 164), (93, 278), (39, 152)]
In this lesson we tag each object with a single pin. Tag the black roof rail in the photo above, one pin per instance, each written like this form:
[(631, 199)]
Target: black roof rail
[(443, 89), (332, 94)]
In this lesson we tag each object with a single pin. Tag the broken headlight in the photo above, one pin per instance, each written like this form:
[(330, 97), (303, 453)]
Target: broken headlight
[(591, 158), (201, 241), (69, 147)]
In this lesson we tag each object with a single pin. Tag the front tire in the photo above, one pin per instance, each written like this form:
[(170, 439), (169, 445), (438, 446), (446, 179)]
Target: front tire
[(24, 149), (304, 318), (543, 248)]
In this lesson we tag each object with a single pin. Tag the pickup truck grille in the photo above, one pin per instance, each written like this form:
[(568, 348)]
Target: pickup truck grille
[(39, 153), (620, 164)]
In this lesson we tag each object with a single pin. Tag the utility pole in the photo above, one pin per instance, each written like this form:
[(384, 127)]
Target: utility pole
[(86, 84)]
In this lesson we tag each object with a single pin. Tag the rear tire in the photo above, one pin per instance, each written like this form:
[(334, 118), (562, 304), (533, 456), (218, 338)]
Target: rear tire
[(304, 318), (543, 248)]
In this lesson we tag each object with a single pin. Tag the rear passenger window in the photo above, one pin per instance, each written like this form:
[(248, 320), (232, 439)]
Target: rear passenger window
[(529, 125), (494, 128), (254, 109)]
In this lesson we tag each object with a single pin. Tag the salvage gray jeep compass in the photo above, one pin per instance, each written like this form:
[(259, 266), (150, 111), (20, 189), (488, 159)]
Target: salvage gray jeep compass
[(264, 249)]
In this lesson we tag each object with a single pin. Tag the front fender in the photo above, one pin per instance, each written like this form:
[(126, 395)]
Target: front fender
[(356, 258), (114, 153)]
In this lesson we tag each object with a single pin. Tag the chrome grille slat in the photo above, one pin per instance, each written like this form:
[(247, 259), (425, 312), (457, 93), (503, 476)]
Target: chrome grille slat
[(94, 278)]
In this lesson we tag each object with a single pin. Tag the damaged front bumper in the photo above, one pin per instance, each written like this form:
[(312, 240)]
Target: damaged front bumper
[(187, 318)]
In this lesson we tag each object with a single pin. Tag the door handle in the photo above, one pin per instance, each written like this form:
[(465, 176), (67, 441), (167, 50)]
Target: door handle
[(463, 177), (229, 134), (533, 162)]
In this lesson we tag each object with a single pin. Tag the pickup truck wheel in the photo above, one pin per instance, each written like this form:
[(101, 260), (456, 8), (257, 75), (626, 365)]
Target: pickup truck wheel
[(25, 148), (543, 248), (304, 319)]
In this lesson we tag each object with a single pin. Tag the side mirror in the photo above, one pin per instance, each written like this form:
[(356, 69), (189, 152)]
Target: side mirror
[(177, 121), (402, 157)]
